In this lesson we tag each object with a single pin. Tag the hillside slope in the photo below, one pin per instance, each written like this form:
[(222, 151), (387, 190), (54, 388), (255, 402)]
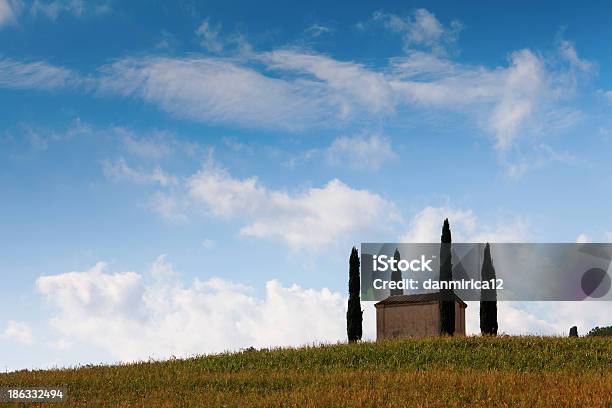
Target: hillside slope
[(475, 371)]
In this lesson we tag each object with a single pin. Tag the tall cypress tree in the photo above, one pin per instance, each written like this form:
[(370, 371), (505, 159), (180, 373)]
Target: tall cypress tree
[(354, 314), (488, 297), (447, 296), (396, 276)]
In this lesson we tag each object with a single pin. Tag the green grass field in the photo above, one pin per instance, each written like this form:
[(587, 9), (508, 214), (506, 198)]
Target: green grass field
[(436, 372)]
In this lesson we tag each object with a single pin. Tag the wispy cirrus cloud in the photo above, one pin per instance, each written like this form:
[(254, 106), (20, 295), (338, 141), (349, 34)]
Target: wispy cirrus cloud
[(120, 170), (12, 10), (362, 152), (209, 36), (291, 89), (421, 29), (319, 91), (36, 75), (220, 91), (9, 10), (77, 8), (316, 30)]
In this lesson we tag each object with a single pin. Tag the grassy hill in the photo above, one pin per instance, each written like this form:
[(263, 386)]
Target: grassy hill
[(474, 371)]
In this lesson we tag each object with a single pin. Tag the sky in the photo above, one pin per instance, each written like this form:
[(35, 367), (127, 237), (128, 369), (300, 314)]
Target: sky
[(182, 178)]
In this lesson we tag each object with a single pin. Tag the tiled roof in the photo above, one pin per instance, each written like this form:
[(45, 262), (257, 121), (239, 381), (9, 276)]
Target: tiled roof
[(418, 298)]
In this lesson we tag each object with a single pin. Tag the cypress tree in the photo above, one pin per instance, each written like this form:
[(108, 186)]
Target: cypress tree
[(488, 297), (447, 296), (396, 276), (354, 314)]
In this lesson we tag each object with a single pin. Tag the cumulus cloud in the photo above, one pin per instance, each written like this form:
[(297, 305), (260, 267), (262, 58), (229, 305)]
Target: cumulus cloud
[(93, 291), (583, 239), (162, 269), (314, 218), (132, 318), (541, 318), (19, 332), (426, 226)]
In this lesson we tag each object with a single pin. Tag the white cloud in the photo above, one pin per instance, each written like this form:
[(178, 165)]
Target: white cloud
[(294, 90), (522, 88), (35, 75), (606, 94), (583, 239), (368, 152), (349, 87), (539, 156), (132, 319), (166, 41), (317, 30), (19, 332), (120, 170), (155, 145), (568, 51), (225, 196), (507, 97), (93, 291), (169, 207), (77, 8), (213, 42), (360, 152), (9, 10), (421, 28), (313, 218), (507, 101), (426, 226), (219, 90), (209, 37), (542, 318), (41, 138), (162, 269)]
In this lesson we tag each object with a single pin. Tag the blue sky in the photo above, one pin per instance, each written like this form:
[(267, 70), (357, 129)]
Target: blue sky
[(172, 170)]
